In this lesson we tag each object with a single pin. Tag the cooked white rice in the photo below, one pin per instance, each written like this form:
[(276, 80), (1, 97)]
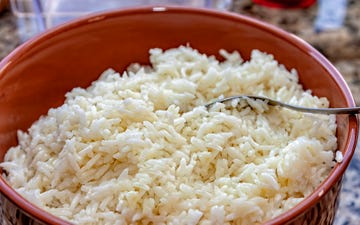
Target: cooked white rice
[(139, 148)]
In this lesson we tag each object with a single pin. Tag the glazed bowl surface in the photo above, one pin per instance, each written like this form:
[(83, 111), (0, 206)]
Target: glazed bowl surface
[(37, 74)]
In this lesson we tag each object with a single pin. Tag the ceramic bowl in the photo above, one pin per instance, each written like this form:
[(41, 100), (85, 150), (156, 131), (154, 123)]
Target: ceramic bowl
[(36, 76)]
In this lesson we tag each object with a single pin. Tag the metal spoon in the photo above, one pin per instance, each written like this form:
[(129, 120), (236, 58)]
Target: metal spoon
[(352, 110)]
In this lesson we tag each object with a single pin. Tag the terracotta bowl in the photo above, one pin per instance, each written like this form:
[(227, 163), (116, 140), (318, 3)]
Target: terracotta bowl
[(36, 76)]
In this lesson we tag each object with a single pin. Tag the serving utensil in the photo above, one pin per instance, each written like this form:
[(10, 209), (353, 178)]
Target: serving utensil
[(272, 102)]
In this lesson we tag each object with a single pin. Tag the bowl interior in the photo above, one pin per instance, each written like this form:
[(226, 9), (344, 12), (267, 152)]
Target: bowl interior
[(36, 76)]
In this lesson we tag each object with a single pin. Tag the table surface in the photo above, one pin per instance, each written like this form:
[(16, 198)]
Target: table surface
[(340, 46)]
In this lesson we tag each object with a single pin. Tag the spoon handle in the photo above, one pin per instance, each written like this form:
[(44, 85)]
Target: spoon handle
[(352, 110)]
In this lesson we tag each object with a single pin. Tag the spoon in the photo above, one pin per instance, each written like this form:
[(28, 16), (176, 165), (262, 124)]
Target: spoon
[(272, 102)]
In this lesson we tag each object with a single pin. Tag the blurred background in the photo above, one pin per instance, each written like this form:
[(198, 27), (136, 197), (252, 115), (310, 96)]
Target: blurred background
[(331, 26)]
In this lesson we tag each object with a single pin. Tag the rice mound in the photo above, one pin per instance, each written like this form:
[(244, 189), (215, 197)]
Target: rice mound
[(139, 148)]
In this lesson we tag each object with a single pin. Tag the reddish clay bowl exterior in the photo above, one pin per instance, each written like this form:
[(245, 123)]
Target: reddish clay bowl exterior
[(36, 76)]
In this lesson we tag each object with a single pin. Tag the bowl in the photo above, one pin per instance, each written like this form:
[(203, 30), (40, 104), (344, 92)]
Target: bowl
[(35, 77)]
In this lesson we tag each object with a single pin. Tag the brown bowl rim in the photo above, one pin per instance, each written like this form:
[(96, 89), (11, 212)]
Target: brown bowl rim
[(287, 216)]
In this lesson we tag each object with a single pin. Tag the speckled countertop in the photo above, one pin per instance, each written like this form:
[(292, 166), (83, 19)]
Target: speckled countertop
[(341, 46)]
